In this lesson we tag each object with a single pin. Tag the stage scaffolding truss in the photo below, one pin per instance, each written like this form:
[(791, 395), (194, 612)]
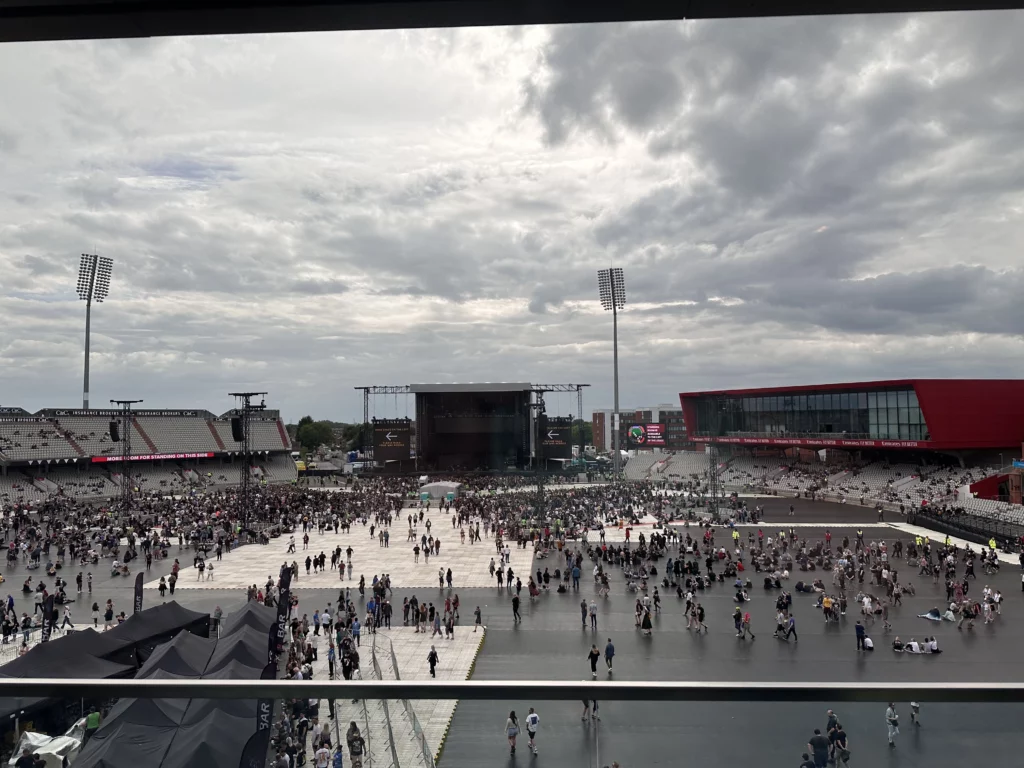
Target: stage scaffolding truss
[(537, 390)]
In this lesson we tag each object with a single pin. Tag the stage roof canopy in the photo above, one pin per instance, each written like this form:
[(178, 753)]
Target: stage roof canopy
[(484, 386)]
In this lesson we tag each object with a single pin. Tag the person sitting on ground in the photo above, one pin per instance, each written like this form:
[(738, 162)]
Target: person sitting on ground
[(897, 645), (912, 646)]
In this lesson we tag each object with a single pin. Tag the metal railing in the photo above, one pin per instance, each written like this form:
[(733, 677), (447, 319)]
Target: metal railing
[(973, 527), (368, 752), (385, 710), (11, 650), (427, 755), (534, 690)]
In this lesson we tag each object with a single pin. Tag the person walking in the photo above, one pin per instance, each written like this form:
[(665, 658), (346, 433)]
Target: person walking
[(841, 745), (818, 747), (477, 619), (356, 745), (593, 615), (511, 731), (609, 654), (746, 626), (516, 617), (532, 723), (593, 656), (791, 628), (583, 613), (892, 722), (432, 660)]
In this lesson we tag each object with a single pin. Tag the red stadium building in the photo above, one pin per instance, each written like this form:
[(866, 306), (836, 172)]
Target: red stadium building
[(954, 416)]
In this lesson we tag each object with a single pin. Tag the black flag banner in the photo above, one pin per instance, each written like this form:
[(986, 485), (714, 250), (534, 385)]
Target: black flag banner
[(138, 593), (256, 748), (279, 629), (49, 620)]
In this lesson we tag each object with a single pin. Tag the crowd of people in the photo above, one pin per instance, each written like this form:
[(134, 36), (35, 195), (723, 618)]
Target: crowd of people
[(568, 537)]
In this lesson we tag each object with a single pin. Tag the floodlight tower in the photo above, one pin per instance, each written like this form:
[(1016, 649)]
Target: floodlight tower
[(612, 288), (93, 285)]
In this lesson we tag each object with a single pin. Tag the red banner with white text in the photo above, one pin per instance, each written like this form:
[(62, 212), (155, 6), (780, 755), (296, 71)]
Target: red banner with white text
[(152, 457)]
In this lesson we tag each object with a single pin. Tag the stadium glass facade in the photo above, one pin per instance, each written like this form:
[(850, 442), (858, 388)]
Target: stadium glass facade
[(881, 414), (930, 414)]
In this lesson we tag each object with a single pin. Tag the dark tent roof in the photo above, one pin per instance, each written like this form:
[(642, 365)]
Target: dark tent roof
[(90, 641), (127, 745), (184, 656), (247, 645), (63, 657), (254, 614), (200, 710), (143, 632), (215, 740), (161, 713), (166, 618), (188, 733), (231, 670)]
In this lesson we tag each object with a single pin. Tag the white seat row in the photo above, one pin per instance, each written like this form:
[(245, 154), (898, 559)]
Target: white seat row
[(179, 435), (23, 440), (639, 467), (265, 436), (685, 465)]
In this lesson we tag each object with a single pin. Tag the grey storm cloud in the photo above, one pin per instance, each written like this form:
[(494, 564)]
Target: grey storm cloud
[(792, 200)]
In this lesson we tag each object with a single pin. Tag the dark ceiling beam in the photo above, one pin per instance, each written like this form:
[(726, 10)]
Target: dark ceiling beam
[(79, 19)]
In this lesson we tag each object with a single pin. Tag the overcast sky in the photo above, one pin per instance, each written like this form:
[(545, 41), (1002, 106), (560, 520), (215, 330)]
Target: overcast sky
[(793, 201)]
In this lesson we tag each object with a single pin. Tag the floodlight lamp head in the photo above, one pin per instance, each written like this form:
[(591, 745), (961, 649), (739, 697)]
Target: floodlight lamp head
[(101, 287), (612, 288), (85, 272)]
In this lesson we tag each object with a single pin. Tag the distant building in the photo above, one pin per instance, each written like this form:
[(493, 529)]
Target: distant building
[(955, 416)]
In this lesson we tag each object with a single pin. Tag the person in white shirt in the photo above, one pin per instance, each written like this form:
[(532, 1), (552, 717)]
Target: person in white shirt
[(532, 722), (912, 646), (317, 731), (322, 757), (868, 644)]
